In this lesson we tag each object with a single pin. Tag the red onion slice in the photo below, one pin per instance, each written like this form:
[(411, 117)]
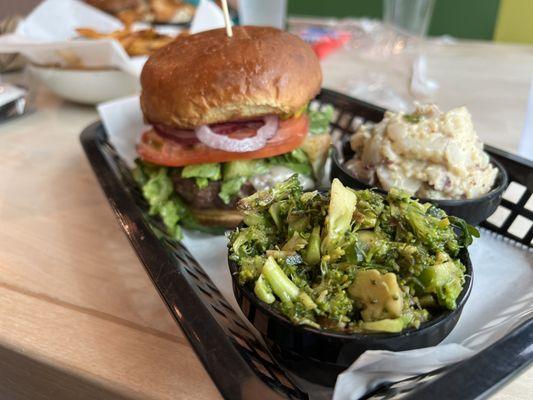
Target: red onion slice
[(223, 142), (228, 128), (181, 136)]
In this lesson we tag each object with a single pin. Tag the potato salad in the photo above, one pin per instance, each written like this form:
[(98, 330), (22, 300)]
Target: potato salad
[(429, 153)]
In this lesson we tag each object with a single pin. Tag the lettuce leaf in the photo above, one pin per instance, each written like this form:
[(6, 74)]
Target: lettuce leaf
[(231, 187), (296, 160), (233, 169), (203, 173), (158, 190), (171, 213), (319, 120), (208, 170), (202, 182), (143, 171)]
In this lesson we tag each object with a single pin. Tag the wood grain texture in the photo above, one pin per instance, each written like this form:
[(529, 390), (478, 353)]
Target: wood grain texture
[(129, 360), (73, 294), (59, 236), (43, 381)]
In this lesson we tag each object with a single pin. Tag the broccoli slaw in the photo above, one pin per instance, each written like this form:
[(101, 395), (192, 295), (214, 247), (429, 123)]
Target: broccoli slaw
[(349, 261)]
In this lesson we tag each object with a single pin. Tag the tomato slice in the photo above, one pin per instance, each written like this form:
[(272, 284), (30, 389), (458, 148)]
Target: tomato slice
[(161, 151)]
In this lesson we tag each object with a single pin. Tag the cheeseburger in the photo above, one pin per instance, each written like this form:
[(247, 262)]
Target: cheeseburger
[(229, 117)]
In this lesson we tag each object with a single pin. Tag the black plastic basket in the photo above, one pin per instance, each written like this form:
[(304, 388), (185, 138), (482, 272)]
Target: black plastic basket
[(232, 352)]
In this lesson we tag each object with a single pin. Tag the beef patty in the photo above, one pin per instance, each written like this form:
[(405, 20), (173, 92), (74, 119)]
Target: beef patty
[(207, 197)]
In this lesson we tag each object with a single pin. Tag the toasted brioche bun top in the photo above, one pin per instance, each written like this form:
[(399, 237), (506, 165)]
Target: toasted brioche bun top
[(209, 77)]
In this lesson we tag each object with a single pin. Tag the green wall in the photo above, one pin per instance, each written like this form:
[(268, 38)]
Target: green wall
[(473, 19)]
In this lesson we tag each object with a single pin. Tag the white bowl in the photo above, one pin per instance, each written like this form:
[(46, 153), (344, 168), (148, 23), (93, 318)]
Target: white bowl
[(87, 86)]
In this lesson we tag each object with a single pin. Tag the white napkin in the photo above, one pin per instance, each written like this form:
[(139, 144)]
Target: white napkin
[(123, 121), (10, 93), (375, 367), (56, 20), (48, 36), (501, 295), (208, 16)]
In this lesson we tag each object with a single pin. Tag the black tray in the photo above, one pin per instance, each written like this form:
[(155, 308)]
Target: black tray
[(231, 352)]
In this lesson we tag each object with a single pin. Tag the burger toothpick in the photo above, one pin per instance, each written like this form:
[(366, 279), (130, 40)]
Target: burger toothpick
[(227, 20)]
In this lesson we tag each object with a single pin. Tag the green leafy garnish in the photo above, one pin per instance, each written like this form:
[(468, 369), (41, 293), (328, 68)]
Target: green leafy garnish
[(202, 173), (296, 161), (247, 168), (158, 190), (319, 120), (202, 182), (412, 118), (231, 187), (468, 232)]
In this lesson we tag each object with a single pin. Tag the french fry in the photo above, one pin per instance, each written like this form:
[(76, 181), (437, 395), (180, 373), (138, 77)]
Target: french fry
[(136, 43), (89, 33)]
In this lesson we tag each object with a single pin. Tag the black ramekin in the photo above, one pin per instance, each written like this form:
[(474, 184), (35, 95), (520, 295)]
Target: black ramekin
[(473, 211), (320, 355)]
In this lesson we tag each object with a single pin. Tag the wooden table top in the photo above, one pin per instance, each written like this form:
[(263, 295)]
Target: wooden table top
[(74, 297)]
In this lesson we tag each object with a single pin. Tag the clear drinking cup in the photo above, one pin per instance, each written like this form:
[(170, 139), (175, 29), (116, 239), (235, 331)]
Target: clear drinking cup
[(263, 12), (410, 17)]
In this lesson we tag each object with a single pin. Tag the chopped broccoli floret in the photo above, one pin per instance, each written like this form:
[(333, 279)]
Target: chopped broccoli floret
[(263, 199), (445, 280), (339, 219), (280, 283), (350, 260), (263, 290)]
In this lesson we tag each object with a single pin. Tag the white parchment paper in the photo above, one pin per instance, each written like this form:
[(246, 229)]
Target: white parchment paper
[(10, 93), (47, 36), (501, 296)]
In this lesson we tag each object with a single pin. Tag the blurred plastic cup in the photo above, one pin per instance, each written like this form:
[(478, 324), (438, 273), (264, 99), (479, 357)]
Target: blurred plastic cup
[(408, 16), (263, 12)]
